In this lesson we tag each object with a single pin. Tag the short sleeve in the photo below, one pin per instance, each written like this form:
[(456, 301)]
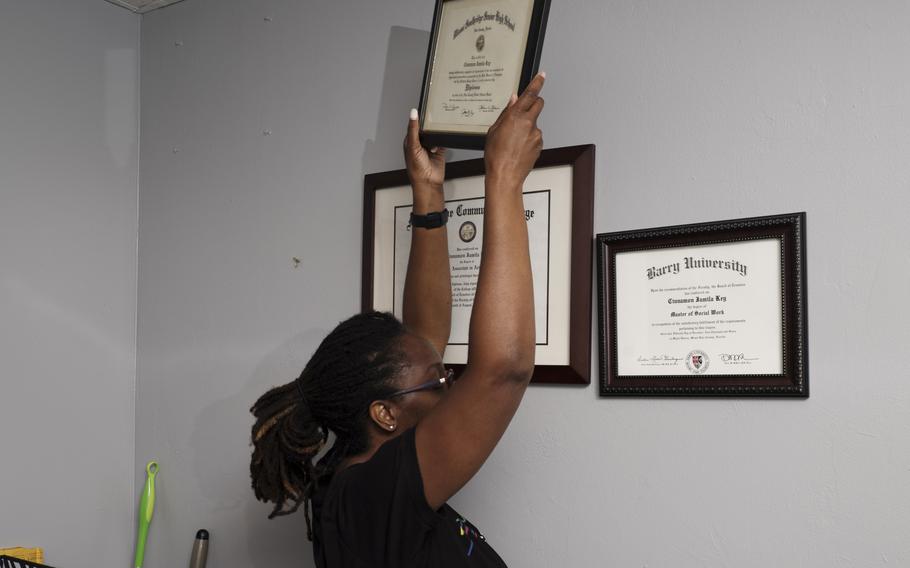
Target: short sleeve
[(380, 509)]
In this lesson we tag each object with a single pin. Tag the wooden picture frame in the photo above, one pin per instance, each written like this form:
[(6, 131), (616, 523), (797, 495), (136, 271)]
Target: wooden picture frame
[(709, 309), (464, 117)]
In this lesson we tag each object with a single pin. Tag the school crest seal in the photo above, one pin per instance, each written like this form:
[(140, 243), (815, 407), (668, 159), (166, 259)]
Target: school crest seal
[(697, 362)]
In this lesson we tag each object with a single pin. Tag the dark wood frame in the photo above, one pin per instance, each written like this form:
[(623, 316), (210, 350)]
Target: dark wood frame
[(536, 30), (581, 158), (793, 382)]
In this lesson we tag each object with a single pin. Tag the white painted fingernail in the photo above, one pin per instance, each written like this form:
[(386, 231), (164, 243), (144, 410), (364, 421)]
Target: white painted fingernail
[(543, 74), (413, 114)]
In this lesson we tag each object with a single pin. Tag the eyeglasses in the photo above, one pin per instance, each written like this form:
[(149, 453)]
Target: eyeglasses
[(443, 382)]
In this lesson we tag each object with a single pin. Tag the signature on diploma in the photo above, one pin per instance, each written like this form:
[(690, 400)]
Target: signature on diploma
[(449, 108), (736, 358), (467, 112), (660, 360), (490, 108)]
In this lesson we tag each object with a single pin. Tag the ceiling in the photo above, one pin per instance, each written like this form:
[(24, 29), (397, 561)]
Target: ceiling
[(143, 6)]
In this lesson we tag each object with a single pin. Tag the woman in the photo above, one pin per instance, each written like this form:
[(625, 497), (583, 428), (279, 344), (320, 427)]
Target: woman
[(405, 442)]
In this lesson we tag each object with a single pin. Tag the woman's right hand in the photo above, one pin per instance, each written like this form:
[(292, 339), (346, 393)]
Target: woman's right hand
[(514, 141)]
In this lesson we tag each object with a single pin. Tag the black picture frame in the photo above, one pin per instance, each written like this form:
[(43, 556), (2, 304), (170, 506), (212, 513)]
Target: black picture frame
[(581, 158), (531, 61), (790, 229)]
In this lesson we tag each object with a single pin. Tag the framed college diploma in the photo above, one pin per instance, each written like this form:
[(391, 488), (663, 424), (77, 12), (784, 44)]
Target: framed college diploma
[(707, 309), (558, 203), (481, 51)]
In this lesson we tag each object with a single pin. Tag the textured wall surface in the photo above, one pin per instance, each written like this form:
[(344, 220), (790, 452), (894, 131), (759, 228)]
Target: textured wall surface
[(69, 133), (259, 121)]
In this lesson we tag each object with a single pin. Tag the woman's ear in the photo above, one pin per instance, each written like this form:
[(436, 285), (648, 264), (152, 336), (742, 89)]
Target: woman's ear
[(384, 416)]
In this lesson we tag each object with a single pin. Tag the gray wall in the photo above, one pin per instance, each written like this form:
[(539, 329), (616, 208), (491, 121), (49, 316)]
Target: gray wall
[(700, 111), (69, 87)]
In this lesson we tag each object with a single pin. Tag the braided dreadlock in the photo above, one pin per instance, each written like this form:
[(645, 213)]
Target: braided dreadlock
[(353, 366)]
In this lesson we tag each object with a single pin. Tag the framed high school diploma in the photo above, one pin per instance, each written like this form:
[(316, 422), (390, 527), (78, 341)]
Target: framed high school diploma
[(558, 202), (706, 309), (481, 51)]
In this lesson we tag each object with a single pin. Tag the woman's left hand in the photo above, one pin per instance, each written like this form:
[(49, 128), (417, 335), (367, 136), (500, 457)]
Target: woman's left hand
[(426, 168)]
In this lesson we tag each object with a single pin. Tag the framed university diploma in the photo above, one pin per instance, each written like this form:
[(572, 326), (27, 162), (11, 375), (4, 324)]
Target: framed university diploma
[(706, 309), (481, 51), (558, 202)]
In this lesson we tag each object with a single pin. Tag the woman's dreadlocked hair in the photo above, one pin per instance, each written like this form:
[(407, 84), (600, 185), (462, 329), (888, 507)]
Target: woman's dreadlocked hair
[(353, 366)]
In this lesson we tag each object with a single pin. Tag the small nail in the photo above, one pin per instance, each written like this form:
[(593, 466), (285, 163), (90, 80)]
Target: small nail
[(543, 74), (413, 114)]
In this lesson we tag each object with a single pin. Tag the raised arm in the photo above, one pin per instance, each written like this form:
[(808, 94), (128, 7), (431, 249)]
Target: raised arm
[(458, 435), (427, 305)]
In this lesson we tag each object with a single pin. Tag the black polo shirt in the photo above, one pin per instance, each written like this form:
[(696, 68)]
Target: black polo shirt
[(374, 514)]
